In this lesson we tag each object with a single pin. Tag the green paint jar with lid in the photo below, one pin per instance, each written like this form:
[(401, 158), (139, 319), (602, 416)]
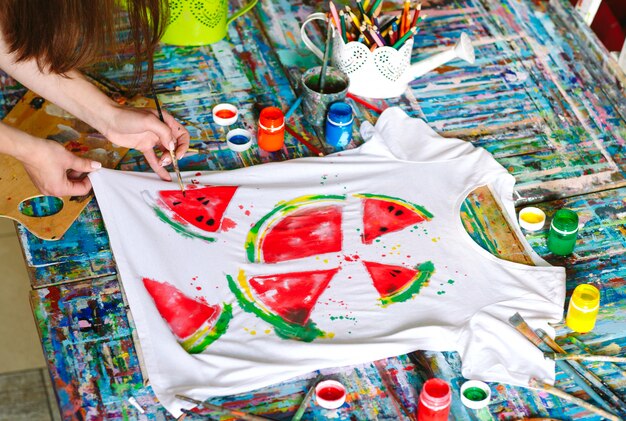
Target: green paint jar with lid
[(563, 232)]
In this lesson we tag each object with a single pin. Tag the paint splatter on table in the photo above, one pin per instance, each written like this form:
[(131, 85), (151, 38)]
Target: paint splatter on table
[(543, 97)]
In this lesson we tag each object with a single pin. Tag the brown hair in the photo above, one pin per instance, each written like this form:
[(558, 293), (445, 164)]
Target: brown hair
[(62, 35)]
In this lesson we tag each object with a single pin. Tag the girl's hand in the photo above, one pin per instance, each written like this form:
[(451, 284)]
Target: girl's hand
[(56, 171), (141, 129)]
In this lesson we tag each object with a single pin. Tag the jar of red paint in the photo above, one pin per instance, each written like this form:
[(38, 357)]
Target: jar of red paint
[(271, 129), (434, 401)]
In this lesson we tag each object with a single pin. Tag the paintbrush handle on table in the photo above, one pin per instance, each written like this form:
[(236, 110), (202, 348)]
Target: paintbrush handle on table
[(597, 383), (559, 393), (305, 402), (584, 357), (518, 322), (240, 415)]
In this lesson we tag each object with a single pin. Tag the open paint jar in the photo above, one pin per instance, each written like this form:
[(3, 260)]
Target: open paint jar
[(330, 394), (475, 394), (225, 114), (532, 218), (239, 140), (583, 308)]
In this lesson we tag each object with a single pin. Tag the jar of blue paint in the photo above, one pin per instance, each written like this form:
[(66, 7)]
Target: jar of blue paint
[(339, 124)]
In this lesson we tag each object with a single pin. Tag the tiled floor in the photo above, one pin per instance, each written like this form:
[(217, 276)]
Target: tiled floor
[(25, 392)]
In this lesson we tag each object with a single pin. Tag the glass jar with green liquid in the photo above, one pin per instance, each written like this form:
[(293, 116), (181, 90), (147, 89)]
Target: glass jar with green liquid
[(563, 232)]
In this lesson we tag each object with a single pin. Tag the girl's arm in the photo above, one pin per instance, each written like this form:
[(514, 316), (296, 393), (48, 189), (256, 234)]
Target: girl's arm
[(129, 127)]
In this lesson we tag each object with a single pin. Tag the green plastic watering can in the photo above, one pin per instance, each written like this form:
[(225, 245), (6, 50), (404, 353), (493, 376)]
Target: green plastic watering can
[(199, 22)]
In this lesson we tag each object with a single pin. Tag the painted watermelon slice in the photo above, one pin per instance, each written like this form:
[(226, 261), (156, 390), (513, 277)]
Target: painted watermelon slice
[(194, 323), (202, 207), (302, 227), (384, 214), (285, 300), (398, 283)]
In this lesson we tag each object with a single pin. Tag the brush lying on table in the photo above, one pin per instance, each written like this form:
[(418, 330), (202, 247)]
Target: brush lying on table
[(587, 381)]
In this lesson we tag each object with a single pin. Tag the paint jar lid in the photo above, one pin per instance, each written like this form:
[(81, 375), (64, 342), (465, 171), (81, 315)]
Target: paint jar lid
[(531, 218), (475, 394), (239, 140), (330, 394), (225, 114)]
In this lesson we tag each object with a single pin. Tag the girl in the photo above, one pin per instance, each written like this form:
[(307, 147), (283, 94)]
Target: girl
[(43, 43)]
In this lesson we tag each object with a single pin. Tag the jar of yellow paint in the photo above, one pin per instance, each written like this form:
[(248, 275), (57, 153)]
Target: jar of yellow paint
[(583, 308), (532, 218)]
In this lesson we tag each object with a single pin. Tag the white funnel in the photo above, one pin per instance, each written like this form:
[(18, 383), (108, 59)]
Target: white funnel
[(463, 50)]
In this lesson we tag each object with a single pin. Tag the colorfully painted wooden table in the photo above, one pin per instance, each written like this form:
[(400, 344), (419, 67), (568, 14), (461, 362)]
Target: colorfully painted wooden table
[(543, 97)]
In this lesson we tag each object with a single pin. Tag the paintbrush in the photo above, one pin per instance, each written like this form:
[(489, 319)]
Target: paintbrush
[(557, 392), (305, 402), (240, 415), (600, 386), (388, 383), (329, 30), (172, 155), (585, 357), (521, 326)]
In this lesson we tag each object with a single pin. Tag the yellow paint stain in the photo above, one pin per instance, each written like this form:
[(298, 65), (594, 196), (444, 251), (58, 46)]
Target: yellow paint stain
[(325, 260), (267, 331), (434, 240)]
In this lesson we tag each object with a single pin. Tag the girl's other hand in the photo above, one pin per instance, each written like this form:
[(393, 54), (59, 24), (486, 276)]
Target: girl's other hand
[(56, 171)]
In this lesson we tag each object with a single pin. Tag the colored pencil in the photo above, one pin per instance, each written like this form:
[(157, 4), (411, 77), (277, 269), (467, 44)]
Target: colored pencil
[(404, 38), (342, 20), (333, 12), (565, 396), (364, 103), (301, 139), (305, 402), (416, 15), (396, 30), (352, 16), (364, 15), (375, 8), (376, 36), (387, 25), (240, 415), (405, 16)]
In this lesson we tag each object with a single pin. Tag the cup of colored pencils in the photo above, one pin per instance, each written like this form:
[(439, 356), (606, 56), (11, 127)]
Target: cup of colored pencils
[(364, 23), (373, 48)]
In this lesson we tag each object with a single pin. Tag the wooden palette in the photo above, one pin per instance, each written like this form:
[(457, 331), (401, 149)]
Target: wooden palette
[(42, 118)]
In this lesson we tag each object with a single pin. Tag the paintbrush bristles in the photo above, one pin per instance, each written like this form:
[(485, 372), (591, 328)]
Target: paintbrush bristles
[(522, 327)]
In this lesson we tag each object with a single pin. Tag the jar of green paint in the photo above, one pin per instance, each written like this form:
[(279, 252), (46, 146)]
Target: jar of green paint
[(563, 232)]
